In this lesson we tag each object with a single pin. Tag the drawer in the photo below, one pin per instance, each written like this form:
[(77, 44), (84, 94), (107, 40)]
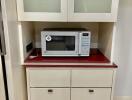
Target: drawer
[(50, 93), (92, 78), (90, 93), (49, 78)]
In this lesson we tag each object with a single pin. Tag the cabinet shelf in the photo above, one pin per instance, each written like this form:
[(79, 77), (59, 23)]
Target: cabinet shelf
[(95, 57)]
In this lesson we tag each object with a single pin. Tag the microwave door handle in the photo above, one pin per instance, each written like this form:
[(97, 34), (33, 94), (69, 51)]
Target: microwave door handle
[(2, 40)]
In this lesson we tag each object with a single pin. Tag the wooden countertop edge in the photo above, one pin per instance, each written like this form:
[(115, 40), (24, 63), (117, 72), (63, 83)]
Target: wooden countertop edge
[(71, 65)]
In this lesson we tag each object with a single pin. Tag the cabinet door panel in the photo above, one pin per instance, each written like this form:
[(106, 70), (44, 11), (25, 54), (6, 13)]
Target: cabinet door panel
[(50, 93), (90, 93), (49, 78), (42, 10), (92, 6), (42, 5), (92, 78), (92, 10)]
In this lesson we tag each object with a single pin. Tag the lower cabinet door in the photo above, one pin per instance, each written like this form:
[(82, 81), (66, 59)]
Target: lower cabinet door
[(90, 93), (92, 78), (50, 93)]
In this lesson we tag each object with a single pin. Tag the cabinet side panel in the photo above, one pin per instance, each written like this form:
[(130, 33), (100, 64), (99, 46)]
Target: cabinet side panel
[(105, 38), (26, 31)]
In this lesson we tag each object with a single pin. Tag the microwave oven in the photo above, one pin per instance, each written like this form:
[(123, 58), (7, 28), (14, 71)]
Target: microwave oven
[(65, 42)]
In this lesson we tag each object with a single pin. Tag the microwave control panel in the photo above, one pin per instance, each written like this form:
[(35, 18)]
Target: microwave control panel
[(85, 43)]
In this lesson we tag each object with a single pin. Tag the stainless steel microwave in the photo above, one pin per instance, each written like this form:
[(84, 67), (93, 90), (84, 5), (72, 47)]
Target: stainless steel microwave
[(66, 42)]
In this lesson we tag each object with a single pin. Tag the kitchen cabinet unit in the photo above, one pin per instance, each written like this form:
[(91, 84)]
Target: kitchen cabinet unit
[(42, 10), (92, 10), (70, 83), (67, 10)]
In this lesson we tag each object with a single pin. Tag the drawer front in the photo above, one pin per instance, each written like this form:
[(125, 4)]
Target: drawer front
[(92, 78), (49, 78), (90, 93), (50, 93)]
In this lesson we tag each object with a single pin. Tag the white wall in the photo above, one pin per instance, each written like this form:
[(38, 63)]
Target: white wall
[(123, 49)]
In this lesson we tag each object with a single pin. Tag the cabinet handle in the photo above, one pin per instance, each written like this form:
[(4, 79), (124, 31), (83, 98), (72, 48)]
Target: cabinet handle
[(50, 91), (91, 91)]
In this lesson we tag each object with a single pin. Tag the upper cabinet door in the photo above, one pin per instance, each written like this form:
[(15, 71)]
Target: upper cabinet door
[(92, 10), (42, 10)]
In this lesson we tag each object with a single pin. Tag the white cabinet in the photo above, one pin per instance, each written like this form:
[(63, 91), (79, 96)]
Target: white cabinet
[(42, 10), (70, 84), (67, 10), (92, 10)]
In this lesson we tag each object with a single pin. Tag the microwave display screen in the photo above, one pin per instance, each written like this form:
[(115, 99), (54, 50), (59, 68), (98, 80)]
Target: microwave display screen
[(85, 34), (60, 43)]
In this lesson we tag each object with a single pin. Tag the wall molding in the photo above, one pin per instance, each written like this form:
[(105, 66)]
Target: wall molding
[(122, 98)]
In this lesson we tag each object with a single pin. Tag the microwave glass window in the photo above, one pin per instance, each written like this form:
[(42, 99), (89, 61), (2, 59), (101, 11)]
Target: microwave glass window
[(60, 43)]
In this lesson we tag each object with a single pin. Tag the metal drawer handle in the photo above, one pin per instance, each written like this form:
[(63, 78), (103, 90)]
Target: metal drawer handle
[(91, 91), (50, 91)]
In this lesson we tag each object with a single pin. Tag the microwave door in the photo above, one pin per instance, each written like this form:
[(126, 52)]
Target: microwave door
[(61, 45)]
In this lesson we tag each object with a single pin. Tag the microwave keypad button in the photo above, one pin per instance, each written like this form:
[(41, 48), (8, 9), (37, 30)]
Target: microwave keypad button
[(85, 45), (85, 41), (86, 38)]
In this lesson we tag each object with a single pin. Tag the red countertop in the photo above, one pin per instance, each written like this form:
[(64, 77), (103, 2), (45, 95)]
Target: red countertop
[(35, 59)]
